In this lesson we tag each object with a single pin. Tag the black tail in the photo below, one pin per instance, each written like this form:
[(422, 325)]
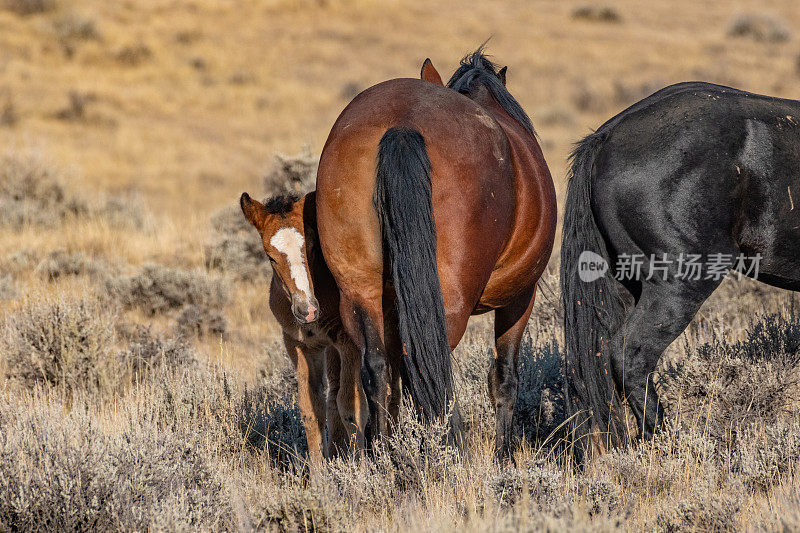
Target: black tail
[(404, 206), (592, 310)]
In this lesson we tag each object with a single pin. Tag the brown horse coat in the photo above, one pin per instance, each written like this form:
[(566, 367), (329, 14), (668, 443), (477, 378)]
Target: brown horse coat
[(493, 202)]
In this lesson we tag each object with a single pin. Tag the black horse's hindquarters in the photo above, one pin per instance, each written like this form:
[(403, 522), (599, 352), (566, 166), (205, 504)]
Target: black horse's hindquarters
[(693, 169), (716, 175)]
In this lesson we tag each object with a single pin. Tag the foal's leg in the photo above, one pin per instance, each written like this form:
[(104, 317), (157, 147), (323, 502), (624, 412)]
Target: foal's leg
[(661, 314), (351, 400), (337, 433), (310, 368), (509, 326)]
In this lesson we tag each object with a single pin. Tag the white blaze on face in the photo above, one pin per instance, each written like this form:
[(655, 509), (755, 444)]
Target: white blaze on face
[(289, 242)]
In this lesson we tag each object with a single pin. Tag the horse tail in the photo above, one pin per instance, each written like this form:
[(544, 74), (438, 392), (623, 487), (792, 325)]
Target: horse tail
[(592, 310), (403, 201)]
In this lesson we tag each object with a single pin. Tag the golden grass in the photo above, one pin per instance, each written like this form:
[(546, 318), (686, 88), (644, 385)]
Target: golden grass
[(226, 84)]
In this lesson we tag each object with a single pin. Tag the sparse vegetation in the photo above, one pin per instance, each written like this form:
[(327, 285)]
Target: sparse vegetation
[(8, 289), (555, 115), (18, 262), (60, 263), (596, 13), (125, 212), (235, 247), (292, 173), (147, 352), (74, 26), (626, 94), (350, 90), (208, 436), (540, 397), (702, 510), (156, 289), (28, 7), (755, 381), (8, 113), (61, 343), (759, 27), (32, 193), (200, 321), (584, 97), (60, 471), (76, 109), (133, 55)]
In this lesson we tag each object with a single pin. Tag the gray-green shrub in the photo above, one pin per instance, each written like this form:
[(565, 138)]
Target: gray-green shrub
[(61, 472), (59, 342), (157, 289)]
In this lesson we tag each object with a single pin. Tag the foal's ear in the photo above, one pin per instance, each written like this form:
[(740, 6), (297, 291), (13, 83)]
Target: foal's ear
[(502, 75), (429, 73), (253, 211)]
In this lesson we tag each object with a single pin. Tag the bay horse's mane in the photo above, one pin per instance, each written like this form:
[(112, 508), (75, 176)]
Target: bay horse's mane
[(478, 67)]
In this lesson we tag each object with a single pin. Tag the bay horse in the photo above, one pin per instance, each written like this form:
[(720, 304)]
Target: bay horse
[(435, 203), (693, 170), (305, 301)]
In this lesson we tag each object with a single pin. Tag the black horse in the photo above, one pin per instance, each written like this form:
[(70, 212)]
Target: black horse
[(695, 174)]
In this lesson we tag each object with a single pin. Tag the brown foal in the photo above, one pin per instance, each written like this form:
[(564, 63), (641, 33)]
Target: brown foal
[(305, 301)]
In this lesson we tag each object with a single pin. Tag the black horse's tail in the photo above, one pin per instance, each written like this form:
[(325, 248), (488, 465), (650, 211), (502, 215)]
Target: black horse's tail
[(592, 310), (404, 205)]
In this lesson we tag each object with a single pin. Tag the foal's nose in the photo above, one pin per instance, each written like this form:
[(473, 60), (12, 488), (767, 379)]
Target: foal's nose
[(305, 310)]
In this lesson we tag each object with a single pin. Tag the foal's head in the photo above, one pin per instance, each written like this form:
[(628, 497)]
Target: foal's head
[(282, 223)]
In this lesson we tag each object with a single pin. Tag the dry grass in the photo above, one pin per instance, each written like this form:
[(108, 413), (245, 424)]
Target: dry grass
[(142, 386), (92, 397)]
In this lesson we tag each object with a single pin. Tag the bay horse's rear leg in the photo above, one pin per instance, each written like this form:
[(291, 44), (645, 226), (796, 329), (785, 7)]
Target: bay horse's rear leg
[(363, 322), (662, 312), (394, 350), (509, 327), (310, 369)]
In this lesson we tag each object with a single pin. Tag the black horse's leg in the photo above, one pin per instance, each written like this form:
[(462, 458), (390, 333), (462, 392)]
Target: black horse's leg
[(509, 326), (661, 314)]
